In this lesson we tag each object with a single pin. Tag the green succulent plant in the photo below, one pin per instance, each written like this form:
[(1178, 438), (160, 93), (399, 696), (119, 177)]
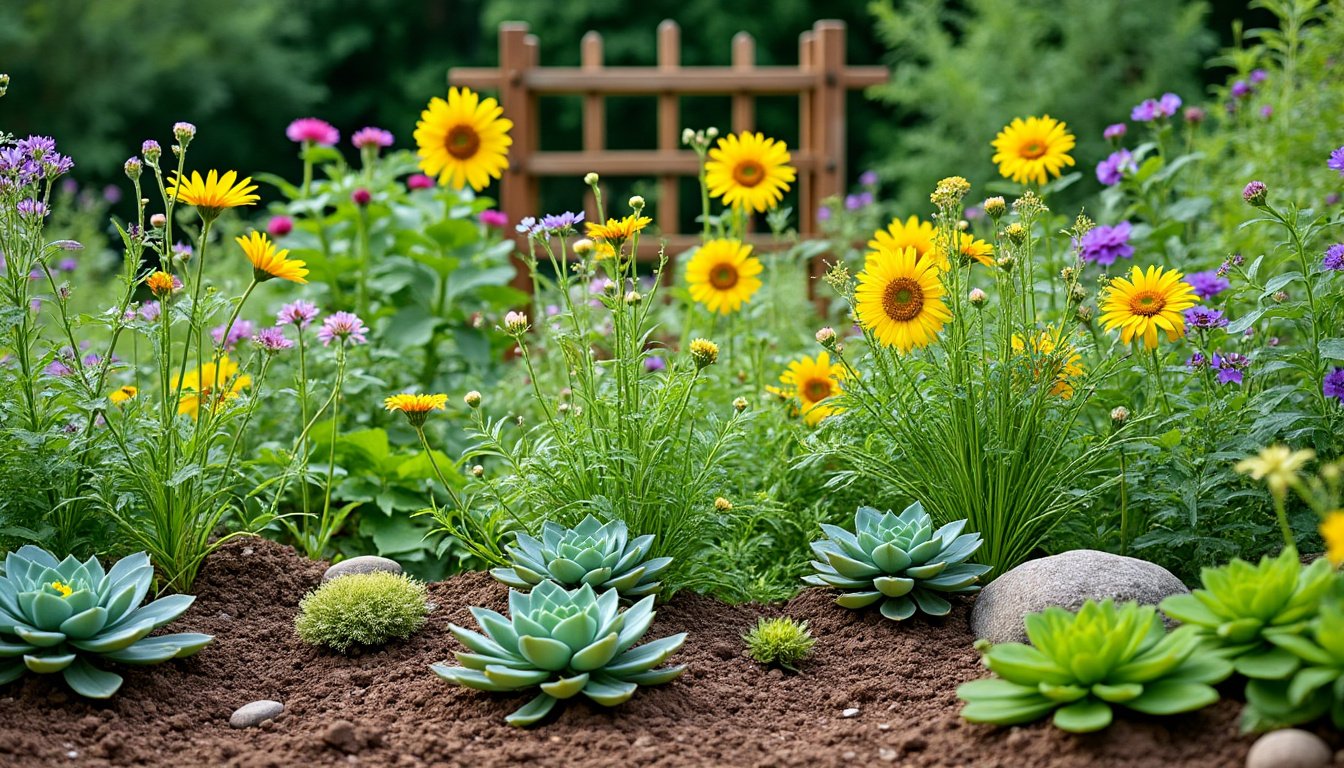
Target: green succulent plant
[(566, 642), (1080, 665), (56, 615), (1241, 603), (898, 560), (1316, 684), (781, 641), (593, 553)]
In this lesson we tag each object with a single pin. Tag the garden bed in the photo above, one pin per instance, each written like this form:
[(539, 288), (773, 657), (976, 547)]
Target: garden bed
[(387, 708)]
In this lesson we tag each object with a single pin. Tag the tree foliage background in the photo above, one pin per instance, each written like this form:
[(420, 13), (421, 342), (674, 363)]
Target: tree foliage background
[(102, 75)]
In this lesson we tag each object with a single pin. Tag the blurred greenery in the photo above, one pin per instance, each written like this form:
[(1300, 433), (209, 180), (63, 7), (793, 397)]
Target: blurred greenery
[(103, 75)]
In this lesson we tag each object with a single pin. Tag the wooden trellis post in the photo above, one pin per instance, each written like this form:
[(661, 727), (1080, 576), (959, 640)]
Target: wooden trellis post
[(820, 80)]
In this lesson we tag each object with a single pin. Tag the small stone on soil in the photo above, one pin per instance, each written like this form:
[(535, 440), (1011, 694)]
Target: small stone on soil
[(1289, 748), (255, 713), (361, 564), (851, 712), (341, 735)]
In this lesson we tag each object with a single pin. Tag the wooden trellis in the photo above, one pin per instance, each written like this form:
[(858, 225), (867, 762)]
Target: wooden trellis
[(820, 80)]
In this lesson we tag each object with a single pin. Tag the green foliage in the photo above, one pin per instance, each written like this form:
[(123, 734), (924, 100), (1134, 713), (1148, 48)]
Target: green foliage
[(598, 554), (781, 641), (55, 616), (1080, 665), (960, 72), (566, 642), (362, 610), (899, 560), (1241, 604), (1313, 687)]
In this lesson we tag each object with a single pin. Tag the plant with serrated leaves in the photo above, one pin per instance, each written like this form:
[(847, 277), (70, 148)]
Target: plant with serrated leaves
[(566, 642), (56, 615), (1316, 684), (899, 560), (1240, 604), (781, 641), (598, 554), (1080, 665)]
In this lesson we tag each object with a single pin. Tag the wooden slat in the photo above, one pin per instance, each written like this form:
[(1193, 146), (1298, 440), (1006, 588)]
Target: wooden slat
[(517, 188), (631, 162), (697, 81), (669, 125), (744, 60), (594, 113)]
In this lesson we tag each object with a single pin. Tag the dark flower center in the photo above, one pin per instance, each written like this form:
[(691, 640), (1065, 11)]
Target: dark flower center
[(1147, 303), (1033, 149), (749, 173), (723, 276), (903, 299), (815, 390), (462, 142)]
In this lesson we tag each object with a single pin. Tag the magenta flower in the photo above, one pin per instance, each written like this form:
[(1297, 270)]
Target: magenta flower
[(361, 196), (495, 219), (1115, 131), (299, 313), (241, 329), (419, 181), (342, 326), (279, 226), (311, 130), (150, 311), (371, 137), (272, 339)]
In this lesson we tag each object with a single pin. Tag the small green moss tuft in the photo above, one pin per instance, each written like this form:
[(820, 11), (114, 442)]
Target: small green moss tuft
[(365, 610), (781, 641)]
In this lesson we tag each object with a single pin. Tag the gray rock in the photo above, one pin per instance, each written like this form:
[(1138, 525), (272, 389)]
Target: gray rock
[(361, 564), (1066, 580), (1289, 748), (851, 712), (255, 713)]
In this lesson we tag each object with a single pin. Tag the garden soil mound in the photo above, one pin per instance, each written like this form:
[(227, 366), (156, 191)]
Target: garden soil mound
[(385, 708)]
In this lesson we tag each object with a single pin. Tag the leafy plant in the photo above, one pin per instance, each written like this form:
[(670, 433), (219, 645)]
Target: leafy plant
[(57, 615), (1316, 684), (565, 641), (362, 610), (1241, 604), (899, 560), (781, 641), (1080, 665), (598, 554)]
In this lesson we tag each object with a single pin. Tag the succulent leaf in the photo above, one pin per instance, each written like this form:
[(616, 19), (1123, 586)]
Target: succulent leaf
[(601, 555)]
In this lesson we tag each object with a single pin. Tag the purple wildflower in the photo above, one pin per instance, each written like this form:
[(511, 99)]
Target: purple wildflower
[(1255, 193), (272, 339), (1334, 258), (1197, 361), (1207, 284), (527, 226), (68, 264), (1336, 161), (824, 213), (311, 130), (654, 363), (1146, 111), (1241, 89), (151, 150), (112, 194), (58, 368), (1266, 111), (1168, 104), (1334, 384), (29, 208), (299, 313), (1114, 168), (1205, 318), (559, 223), (1258, 76), (868, 179), (342, 326), (371, 137), (859, 201), (1115, 131), (150, 311), (182, 250), (1195, 115), (242, 329), (1230, 367), (1103, 245)]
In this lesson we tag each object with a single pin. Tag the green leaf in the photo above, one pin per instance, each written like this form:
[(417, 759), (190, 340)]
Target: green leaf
[(89, 681), (533, 711), (1170, 698), (1084, 716), (1332, 349)]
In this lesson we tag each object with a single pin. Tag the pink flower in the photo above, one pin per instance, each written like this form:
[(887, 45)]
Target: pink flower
[(361, 196), (310, 130), (299, 313), (279, 226), (343, 326), (272, 339), (371, 137), (241, 329), (419, 181), (496, 219)]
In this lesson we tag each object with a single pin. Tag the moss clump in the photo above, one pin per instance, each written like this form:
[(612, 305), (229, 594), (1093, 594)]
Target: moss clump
[(781, 641), (362, 610)]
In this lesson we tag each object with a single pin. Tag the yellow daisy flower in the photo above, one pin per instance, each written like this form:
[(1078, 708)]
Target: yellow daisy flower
[(1060, 360), (464, 140), (617, 231), (1277, 465), (722, 275), (122, 394), (970, 248), (911, 233), (1332, 530), (210, 384), (1146, 303), (900, 299), (1033, 150), (416, 407), (809, 381), (749, 171), (214, 193), (267, 262)]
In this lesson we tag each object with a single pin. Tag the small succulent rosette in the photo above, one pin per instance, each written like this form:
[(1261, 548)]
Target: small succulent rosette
[(601, 555)]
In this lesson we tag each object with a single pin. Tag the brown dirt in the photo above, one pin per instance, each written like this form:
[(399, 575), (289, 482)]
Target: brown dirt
[(387, 708)]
